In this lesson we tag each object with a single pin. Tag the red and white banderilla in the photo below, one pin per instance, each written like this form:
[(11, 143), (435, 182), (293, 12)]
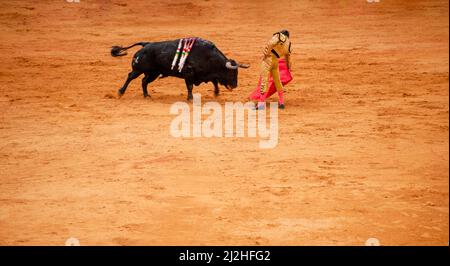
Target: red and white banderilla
[(186, 50)]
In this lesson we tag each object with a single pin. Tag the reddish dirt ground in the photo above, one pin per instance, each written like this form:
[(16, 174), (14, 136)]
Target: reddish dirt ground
[(363, 148)]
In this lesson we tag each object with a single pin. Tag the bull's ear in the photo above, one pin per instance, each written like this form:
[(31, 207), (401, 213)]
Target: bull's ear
[(244, 65)]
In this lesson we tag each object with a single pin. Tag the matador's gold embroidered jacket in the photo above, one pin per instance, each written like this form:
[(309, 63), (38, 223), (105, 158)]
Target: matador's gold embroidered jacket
[(279, 46)]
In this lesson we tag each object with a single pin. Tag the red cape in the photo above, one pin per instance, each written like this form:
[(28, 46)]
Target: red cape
[(285, 77)]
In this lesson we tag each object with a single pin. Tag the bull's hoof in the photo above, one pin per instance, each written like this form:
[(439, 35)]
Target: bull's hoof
[(119, 94), (147, 96), (281, 106)]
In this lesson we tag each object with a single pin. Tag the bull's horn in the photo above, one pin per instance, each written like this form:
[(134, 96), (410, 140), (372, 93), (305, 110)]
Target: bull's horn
[(230, 66), (244, 65)]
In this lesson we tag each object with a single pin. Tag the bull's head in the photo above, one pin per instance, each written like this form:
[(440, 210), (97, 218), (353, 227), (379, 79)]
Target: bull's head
[(230, 79)]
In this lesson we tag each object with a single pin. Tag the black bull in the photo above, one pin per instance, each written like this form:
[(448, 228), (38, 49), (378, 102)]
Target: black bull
[(205, 63)]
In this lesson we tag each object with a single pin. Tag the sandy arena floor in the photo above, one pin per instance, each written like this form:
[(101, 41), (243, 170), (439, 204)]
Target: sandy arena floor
[(363, 148)]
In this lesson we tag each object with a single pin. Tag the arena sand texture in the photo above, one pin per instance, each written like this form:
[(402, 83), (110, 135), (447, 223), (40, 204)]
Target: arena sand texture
[(363, 147)]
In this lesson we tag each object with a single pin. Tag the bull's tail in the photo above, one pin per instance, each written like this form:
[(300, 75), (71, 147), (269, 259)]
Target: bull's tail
[(121, 51)]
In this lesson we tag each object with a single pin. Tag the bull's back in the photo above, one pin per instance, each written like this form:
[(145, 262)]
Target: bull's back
[(158, 56), (155, 56)]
